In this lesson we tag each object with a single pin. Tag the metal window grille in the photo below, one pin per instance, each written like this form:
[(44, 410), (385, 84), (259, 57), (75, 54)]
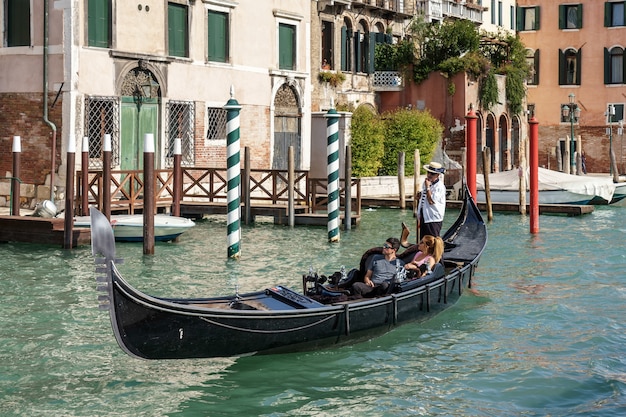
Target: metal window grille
[(216, 123), (180, 116), (102, 117)]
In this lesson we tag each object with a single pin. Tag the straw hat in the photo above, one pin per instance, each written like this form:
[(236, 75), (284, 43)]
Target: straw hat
[(435, 168)]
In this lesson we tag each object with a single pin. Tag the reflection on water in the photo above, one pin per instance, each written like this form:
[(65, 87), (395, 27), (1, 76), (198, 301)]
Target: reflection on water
[(544, 335)]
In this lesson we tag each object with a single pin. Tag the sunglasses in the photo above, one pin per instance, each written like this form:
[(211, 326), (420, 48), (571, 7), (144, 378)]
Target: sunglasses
[(387, 246)]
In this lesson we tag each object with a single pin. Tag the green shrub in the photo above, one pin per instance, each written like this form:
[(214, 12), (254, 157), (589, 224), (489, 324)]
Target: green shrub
[(367, 142), (407, 130)]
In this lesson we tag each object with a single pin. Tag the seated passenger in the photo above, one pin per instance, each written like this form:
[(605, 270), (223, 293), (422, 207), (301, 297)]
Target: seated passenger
[(429, 254), (381, 269)]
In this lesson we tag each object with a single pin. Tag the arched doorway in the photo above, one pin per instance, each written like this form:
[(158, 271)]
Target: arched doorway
[(141, 94), (479, 143), (287, 128), (515, 149), (504, 153), (490, 140)]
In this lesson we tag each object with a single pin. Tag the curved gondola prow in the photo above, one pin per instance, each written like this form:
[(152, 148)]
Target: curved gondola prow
[(102, 238), (466, 239)]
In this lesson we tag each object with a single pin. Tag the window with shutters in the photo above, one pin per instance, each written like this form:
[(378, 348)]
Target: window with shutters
[(286, 46), (219, 35), (569, 67), (327, 61), (347, 35), (177, 30), (615, 13), (570, 16), (614, 66), (99, 27), (532, 58), (17, 23), (528, 18)]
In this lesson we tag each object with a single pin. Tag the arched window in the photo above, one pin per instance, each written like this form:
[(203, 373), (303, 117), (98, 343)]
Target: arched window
[(532, 58), (347, 36), (614, 68), (569, 67)]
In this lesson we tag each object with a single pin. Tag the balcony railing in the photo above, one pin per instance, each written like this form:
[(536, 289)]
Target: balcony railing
[(438, 9), (387, 80)]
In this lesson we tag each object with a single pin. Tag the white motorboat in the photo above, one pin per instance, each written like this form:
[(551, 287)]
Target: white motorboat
[(129, 227)]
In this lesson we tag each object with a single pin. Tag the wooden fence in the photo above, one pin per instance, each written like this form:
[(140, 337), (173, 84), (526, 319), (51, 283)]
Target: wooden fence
[(208, 185)]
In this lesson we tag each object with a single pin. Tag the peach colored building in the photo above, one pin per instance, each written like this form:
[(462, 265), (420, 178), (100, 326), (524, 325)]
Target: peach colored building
[(577, 49)]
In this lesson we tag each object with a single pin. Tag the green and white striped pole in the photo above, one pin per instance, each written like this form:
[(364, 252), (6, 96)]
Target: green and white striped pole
[(332, 169), (233, 176)]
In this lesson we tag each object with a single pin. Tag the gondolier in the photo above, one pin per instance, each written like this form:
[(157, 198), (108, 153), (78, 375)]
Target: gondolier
[(432, 205)]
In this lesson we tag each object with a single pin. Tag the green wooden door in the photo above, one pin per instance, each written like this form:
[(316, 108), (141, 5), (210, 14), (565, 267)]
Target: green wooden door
[(136, 122)]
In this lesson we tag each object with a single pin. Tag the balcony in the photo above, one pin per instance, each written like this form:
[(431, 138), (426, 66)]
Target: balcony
[(438, 9), (387, 81)]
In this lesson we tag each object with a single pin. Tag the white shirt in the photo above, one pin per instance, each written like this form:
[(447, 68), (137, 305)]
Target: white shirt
[(433, 212)]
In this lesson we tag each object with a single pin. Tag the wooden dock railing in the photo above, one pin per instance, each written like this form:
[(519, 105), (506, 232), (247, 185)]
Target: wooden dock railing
[(209, 185)]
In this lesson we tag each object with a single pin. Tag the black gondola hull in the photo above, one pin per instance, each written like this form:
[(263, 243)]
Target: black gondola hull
[(277, 319)]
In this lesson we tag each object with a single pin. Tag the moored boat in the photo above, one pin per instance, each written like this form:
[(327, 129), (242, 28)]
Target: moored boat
[(554, 188), (129, 227), (279, 319)]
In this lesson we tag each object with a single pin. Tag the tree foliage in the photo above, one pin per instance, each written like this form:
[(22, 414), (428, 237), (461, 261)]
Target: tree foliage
[(405, 131), (376, 140), (454, 46), (368, 147)]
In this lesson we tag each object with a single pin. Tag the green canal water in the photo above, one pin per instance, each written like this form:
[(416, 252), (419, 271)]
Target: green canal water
[(545, 334)]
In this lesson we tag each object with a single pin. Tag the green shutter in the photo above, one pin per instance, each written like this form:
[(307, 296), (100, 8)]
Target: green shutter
[(562, 17), (537, 15), (357, 51), (344, 48), (218, 36), (607, 66), (536, 77), (177, 29), (623, 66), (520, 19), (579, 24), (99, 23), (18, 23), (562, 68), (286, 47), (607, 14), (371, 44), (579, 60)]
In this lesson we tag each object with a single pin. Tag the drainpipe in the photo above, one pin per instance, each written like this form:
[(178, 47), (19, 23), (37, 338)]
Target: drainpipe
[(45, 98)]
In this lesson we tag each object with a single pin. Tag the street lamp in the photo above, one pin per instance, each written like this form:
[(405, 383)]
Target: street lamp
[(571, 111)]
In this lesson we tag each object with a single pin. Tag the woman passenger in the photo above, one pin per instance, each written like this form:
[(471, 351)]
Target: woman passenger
[(430, 250)]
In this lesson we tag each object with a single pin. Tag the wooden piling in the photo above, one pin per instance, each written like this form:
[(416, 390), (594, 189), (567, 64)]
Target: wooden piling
[(178, 178), (401, 190), (68, 230), (348, 189), (84, 175), (486, 169), (106, 176), (15, 181), (290, 186), (148, 194)]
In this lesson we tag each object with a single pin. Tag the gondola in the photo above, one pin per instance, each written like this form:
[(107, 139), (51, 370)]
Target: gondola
[(279, 319)]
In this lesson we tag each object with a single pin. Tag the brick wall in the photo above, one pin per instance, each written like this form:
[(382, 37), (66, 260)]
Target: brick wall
[(21, 115)]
